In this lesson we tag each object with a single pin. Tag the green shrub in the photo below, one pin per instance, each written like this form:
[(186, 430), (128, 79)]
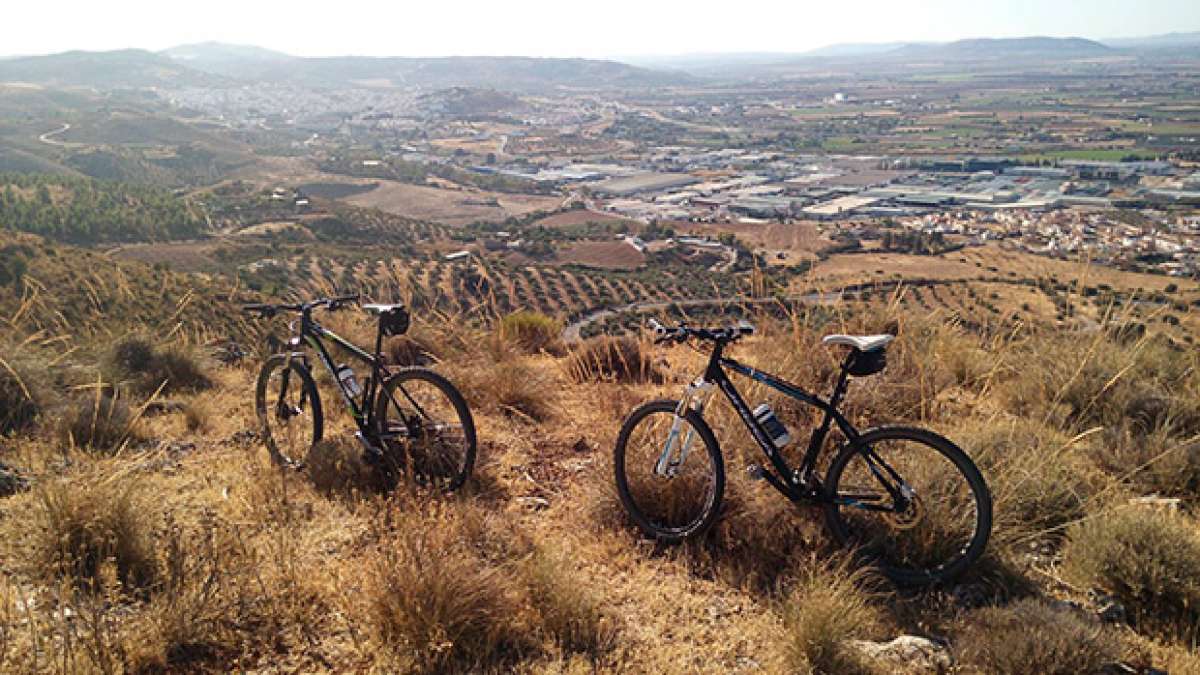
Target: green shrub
[(1030, 636), (531, 331)]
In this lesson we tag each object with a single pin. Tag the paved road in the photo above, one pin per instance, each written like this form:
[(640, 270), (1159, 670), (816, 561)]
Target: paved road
[(573, 331), (45, 138)]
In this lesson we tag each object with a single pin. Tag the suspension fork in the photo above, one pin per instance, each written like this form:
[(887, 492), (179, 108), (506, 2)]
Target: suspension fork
[(695, 396)]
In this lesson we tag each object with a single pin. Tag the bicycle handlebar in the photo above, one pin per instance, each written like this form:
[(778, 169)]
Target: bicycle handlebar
[(266, 311), (682, 332)]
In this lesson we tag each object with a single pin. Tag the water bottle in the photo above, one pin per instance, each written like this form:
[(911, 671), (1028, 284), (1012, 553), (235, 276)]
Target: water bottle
[(771, 424), (345, 375)]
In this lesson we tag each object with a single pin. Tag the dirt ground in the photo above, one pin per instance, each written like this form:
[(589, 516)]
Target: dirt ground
[(607, 254), (451, 207)]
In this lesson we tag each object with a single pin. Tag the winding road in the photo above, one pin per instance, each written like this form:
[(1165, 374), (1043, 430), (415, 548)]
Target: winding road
[(45, 138)]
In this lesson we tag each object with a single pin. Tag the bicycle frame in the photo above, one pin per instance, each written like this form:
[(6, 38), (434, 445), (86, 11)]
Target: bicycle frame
[(796, 484)]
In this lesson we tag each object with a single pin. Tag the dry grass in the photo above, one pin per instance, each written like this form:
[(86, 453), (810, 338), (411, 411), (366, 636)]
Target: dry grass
[(213, 560), (612, 359), (83, 523), (828, 607)]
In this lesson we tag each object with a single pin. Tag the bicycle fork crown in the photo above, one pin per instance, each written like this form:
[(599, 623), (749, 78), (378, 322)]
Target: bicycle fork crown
[(675, 450)]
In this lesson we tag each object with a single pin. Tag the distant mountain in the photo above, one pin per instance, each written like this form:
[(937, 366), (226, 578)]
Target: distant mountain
[(224, 59), (1168, 41), (499, 72), (859, 49), (1002, 48), (128, 68)]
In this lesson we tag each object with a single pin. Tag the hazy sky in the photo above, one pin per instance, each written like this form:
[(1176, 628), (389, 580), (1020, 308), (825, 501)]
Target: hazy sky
[(563, 28)]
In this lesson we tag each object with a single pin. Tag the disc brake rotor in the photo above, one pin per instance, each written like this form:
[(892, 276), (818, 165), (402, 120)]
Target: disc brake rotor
[(909, 517)]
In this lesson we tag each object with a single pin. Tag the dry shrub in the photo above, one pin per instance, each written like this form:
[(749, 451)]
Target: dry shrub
[(828, 607), (1149, 559), (434, 604), (510, 386), (83, 522), (137, 360), (1039, 482), (98, 421), (1031, 636), (198, 605), (198, 414), (1159, 462), (532, 332), (612, 359)]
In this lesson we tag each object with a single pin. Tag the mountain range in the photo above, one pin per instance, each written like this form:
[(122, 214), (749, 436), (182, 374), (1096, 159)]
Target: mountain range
[(213, 64)]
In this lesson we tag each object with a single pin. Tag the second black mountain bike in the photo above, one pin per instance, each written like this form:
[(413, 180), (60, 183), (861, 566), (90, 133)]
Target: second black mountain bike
[(909, 499)]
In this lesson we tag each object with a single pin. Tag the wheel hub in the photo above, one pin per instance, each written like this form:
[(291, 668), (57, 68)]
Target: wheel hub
[(910, 517)]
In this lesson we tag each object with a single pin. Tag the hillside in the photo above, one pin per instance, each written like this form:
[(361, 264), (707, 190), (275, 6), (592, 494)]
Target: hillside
[(129, 68), (157, 521)]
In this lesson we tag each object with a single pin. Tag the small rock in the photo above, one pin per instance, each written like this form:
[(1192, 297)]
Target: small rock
[(582, 445), (535, 503), (908, 653)]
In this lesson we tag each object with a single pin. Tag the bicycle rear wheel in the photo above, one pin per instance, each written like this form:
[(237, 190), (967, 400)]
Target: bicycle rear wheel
[(288, 409), (929, 535), (678, 498), (426, 428)]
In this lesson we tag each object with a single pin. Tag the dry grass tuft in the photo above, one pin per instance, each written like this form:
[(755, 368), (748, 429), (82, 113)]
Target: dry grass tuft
[(409, 350), (531, 332), (147, 367), (571, 613), (82, 523), (508, 385), (434, 604), (828, 607), (612, 359), (1148, 559), (336, 468), (1031, 636), (1158, 462)]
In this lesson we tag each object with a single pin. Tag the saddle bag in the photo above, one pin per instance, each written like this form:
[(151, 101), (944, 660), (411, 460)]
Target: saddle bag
[(394, 322), (867, 363)]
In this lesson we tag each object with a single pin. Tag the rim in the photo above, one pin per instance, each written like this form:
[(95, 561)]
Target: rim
[(424, 434), (675, 503), (939, 525)]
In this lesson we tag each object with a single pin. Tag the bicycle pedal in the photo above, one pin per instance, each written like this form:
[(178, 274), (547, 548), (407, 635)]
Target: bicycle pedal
[(756, 472)]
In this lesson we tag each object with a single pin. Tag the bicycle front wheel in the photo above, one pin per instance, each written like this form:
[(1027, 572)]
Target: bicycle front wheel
[(289, 410), (426, 428), (912, 502), (669, 472)]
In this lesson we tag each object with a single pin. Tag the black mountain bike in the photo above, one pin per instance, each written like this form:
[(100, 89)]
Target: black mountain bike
[(410, 420), (908, 499)]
